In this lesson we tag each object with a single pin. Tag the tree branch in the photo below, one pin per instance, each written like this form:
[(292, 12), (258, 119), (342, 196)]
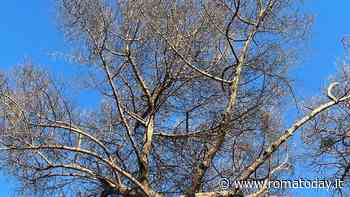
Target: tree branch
[(289, 132)]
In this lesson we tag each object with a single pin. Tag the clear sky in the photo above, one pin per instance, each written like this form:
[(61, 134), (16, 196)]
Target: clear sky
[(28, 30)]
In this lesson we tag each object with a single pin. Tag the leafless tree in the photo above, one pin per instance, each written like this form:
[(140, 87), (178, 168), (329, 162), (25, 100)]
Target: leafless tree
[(190, 93), (328, 135)]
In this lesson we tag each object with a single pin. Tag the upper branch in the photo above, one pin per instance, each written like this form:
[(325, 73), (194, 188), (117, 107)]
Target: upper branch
[(290, 131)]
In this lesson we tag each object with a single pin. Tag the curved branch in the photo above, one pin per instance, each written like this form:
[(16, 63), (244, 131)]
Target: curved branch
[(330, 90), (86, 152), (64, 125), (288, 133)]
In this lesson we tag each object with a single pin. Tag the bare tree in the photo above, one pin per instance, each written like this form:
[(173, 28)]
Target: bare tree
[(328, 135), (190, 92)]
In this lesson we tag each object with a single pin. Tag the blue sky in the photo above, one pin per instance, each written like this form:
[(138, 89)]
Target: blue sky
[(28, 30)]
